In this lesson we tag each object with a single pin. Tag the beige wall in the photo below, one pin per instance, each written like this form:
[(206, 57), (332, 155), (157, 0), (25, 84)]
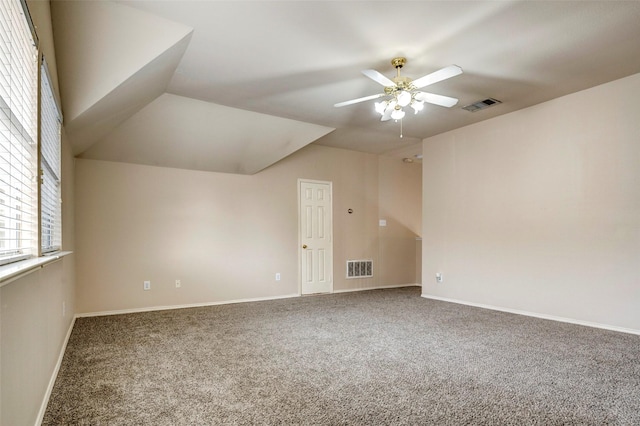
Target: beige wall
[(225, 236), (33, 326), (539, 210), (34, 329), (400, 189)]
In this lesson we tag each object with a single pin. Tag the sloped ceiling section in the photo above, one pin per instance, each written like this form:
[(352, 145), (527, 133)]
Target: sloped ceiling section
[(180, 132), (112, 61), (124, 100), (115, 63)]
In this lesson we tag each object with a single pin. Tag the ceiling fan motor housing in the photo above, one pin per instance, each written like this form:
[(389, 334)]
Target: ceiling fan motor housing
[(401, 83)]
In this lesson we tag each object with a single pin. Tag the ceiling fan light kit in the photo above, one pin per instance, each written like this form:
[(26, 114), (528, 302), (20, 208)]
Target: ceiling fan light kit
[(401, 91)]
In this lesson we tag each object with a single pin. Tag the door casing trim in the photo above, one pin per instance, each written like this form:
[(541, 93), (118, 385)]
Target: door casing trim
[(300, 181)]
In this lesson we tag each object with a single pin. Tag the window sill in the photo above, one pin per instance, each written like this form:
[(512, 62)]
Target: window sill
[(13, 271)]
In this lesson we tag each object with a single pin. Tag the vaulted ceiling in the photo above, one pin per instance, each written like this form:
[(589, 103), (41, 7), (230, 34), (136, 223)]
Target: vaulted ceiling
[(235, 86)]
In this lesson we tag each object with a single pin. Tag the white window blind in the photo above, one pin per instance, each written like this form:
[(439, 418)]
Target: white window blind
[(50, 196), (18, 141)]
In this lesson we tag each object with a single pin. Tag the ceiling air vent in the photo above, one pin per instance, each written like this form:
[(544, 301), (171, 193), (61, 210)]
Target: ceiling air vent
[(486, 103)]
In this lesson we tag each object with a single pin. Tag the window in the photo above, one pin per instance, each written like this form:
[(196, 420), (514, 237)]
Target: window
[(18, 127), (25, 116), (50, 196)]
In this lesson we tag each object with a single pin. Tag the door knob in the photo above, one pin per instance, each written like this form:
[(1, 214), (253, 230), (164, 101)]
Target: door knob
[(304, 246)]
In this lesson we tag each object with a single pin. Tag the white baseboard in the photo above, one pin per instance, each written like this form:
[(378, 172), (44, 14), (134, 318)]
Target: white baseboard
[(226, 302), (536, 315), (349, 290), (54, 375), (191, 305)]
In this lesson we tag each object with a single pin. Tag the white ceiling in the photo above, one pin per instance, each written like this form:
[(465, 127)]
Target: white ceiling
[(290, 61)]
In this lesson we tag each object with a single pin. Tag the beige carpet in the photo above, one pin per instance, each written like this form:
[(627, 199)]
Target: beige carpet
[(383, 357)]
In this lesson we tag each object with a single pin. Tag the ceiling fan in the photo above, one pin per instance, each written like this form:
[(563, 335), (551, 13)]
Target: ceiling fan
[(402, 91)]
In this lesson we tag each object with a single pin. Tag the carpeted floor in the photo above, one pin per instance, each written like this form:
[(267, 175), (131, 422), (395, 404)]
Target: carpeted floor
[(382, 357)]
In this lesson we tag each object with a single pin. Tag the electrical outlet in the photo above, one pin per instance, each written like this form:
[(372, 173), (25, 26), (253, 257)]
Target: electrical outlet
[(178, 284), (277, 276), (147, 285), (64, 308), (439, 277)]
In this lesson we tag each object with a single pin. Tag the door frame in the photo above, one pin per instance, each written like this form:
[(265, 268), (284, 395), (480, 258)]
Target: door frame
[(299, 250)]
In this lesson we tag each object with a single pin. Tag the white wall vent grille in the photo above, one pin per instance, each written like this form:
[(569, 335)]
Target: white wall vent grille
[(359, 268)]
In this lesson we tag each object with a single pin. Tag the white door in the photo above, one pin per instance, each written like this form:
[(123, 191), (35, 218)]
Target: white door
[(316, 245)]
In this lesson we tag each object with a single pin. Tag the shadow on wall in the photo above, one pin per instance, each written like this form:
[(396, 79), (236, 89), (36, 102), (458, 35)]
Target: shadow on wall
[(400, 254)]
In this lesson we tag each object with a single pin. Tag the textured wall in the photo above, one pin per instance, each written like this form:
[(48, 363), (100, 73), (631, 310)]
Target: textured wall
[(539, 210), (401, 206), (225, 236)]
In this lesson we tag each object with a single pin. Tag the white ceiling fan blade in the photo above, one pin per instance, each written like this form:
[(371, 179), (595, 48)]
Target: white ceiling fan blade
[(434, 77), (387, 112), (355, 101), (378, 78), (432, 98)]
